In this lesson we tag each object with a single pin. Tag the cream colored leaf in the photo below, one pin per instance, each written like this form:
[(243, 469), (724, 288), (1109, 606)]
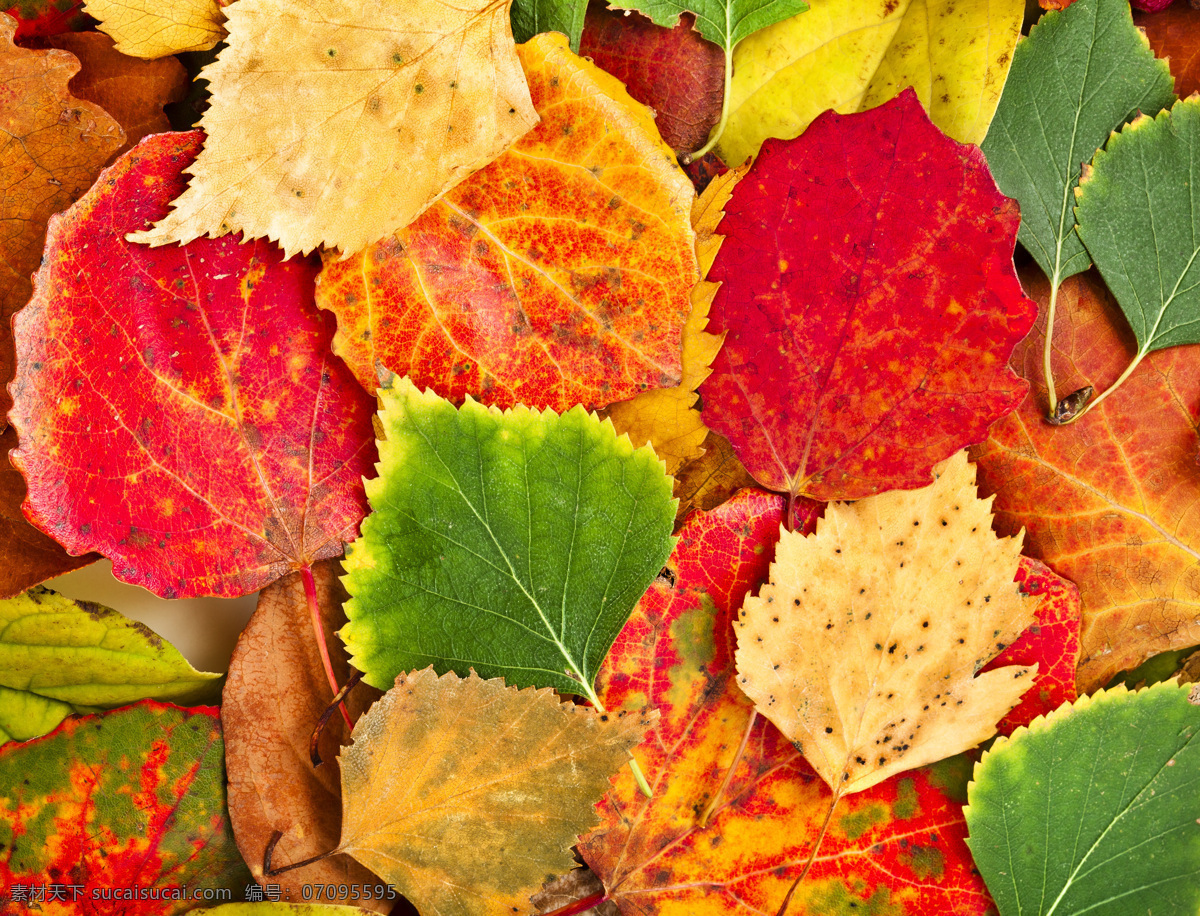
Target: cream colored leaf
[(864, 645), (158, 28), (337, 122), (465, 794)]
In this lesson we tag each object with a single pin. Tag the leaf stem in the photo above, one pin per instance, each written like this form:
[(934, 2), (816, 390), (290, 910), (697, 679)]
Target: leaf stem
[(1051, 393), (737, 758), (269, 871), (812, 856), (720, 128), (314, 742), (1141, 354), (314, 610), (638, 775), (581, 905)]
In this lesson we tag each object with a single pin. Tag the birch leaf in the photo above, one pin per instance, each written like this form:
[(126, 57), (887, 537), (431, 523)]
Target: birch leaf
[(158, 28)]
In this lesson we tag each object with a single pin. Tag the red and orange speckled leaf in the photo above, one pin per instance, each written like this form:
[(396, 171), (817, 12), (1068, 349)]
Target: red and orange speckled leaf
[(674, 71), (896, 848), (110, 804), (557, 275), (179, 409), (869, 303), (1052, 643), (1175, 34), (1111, 501)]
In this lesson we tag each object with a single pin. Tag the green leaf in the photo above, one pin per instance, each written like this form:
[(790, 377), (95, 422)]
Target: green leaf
[(532, 17), (25, 715), (514, 543), (1138, 215), (1082, 72), (723, 22), (1093, 808), (83, 653)]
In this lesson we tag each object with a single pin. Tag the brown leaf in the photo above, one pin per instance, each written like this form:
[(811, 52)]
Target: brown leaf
[(55, 146), (711, 479), (1175, 34), (275, 693)]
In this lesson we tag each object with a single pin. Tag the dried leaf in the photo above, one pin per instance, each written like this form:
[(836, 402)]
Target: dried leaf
[(711, 479), (465, 793), (558, 275), (864, 645), (275, 694), (388, 107), (237, 442), (869, 304), (1112, 501), (1175, 36), (158, 28)]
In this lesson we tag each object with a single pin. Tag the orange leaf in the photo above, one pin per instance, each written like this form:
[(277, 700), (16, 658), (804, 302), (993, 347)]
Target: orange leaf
[(1111, 501), (1175, 34), (557, 275)]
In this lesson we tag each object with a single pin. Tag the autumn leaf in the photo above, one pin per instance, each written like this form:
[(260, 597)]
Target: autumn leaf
[(667, 418), (201, 435), (1174, 36), (896, 848), (132, 91), (514, 544), (851, 56), (389, 107), (706, 482), (37, 18), (673, 70), (864, 645), (55, 146), (158, 28), (280, 909), (1093, 808), (558, 275), (132, 798), (25, 715), (1108, 501), (869, 303), (465, 794)]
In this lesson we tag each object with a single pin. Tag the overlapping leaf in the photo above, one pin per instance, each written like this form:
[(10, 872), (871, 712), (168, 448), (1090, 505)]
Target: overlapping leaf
[(533, 17), (273, 699), (1111, 501), (131, 799), (851, 55), (465, 794), (37, 18), (1174, 36), (559, 275), (179, 409), (866, 341), (723, 22), (158, 28), (388, 107), (25, 715), (896, 848)]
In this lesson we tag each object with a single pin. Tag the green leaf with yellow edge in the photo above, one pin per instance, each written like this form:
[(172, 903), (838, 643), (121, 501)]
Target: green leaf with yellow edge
[(25, 715), (852, 55), (466, 794), (81, 652), (1093, 808), (514, 543)]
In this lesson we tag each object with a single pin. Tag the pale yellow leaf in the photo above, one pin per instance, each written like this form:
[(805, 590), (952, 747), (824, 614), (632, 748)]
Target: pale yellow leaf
[(158, 28), (864, 646), (850, 55), (465, 794), (337, 122)]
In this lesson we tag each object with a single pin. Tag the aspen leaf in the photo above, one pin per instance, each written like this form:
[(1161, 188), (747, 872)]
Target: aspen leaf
[(158, 28), (336, 122), (864, 645), (465, 793)]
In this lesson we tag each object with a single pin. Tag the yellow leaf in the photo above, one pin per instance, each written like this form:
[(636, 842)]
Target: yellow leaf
[(465, 794), (157, 28), (864, 645), (851, 55), (337, 122), (667, 418)]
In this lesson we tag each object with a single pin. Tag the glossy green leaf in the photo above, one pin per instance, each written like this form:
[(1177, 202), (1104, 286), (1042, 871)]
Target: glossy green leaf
[(1138, 215), (723, 22), (81, 652), (515, 543), (1081, 73), (25, 715), (1093, 809), (532, 17)]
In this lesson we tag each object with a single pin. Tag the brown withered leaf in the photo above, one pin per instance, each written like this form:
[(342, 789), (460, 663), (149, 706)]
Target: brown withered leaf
[(711, 479), (864, 646), (275, 694), (158, 28), (132, 91), (54, 147)]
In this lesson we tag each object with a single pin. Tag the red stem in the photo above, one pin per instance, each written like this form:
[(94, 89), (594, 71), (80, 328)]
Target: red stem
[(579, 906), (314, 610)]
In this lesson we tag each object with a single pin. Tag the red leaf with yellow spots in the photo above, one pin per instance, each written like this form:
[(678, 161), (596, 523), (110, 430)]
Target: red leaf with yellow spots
[(558, 275), (896, 848), (114, 804), (179, 409), (869, 303)]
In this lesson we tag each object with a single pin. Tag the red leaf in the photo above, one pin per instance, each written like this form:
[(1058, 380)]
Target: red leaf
[(674, 71), (179, 408), (870, 303), (48, 17), (896, 848), (1052, 643), (115, 804)]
